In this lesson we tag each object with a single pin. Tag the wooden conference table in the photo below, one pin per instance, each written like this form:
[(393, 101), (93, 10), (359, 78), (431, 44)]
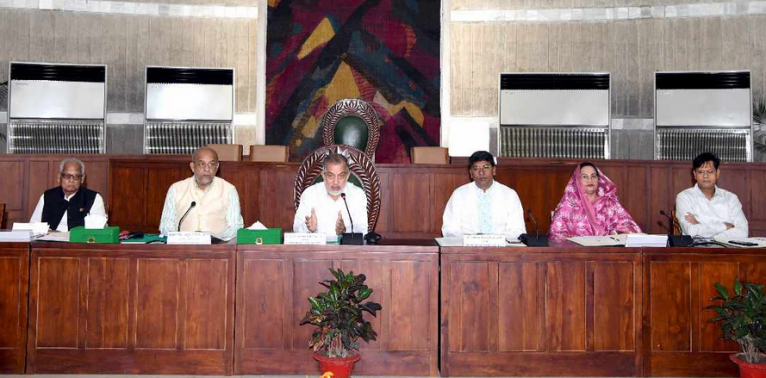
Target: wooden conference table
[(228, 309)]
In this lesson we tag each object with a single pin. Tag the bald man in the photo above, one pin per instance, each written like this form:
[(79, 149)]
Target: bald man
[(212, 203)]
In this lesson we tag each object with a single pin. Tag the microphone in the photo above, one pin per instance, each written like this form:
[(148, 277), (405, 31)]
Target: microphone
[(350, 238), (193, 203), (676, 240), (537, 241)]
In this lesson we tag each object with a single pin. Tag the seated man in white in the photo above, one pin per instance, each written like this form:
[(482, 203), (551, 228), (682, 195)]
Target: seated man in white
[(210, 203), (483, 206), (707, 210), (322, 208), (65, 206)]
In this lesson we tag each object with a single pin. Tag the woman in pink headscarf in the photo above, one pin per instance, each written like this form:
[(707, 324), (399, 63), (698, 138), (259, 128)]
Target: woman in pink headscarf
[(590, 207)]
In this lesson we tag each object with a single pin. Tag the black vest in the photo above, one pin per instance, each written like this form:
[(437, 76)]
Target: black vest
[(76, 208)]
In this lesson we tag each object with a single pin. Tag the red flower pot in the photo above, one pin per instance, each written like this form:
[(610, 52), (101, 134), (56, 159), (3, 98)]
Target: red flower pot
[(748, 370), (340, 367)]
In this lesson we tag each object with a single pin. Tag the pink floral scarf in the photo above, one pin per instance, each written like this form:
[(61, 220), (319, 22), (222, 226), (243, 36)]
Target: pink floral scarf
[(575, 215)]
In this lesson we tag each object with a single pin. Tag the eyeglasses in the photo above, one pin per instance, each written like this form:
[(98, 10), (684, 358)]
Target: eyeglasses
[(705, 172), (482, 168), (212, 165), (589, 178), (331, 176), (68, 177)]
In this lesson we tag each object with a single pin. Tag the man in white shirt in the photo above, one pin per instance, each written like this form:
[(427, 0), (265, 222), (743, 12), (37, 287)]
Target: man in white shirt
[(483, 206), (203, 202), (65, 206), (707, 210), (322, 207)]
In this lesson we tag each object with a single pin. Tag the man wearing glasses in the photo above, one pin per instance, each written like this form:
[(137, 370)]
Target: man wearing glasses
[(483, 206), (323, 209), (707, 210), (65, 206), (202, 202)]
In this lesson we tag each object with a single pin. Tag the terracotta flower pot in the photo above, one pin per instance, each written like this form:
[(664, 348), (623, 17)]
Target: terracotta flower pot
[(749, 370), (340, 367)]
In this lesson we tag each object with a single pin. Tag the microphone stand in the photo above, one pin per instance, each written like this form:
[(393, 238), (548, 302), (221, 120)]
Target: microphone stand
[(676, 240), (193, 203), (537, 240), (350, 238)]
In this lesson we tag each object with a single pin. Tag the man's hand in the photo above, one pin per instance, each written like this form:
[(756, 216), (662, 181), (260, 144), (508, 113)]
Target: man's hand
[(340, 227), (311, 222), (729, 226), (691, 219)]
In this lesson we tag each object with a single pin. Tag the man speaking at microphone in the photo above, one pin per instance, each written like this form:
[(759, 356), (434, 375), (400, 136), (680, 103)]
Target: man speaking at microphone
[(202, 202), (324, 209), (483, 206)]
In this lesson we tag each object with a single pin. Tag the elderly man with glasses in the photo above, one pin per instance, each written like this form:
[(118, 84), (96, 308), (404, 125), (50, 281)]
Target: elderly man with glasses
[(483, 206), (65, 206), (323, 205), (202, 202)]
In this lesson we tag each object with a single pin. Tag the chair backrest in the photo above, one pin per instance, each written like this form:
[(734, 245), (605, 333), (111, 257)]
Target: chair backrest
[(2, 214), (352, 122), (429, 155), (676, 225), (280, 154), (360, 166), (227, 152)]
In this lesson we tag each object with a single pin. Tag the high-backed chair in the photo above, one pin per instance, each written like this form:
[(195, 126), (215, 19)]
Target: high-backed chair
[(280, 154), (429, 155), (227, 152), (354, 123), (362, 171)]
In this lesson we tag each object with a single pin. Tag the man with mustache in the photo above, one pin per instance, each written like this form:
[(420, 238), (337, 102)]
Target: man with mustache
[(216, 202), (322, 208)]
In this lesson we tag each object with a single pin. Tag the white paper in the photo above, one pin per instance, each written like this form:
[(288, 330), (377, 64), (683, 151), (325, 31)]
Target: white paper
[(599, 241), (484, 240), (189, 238), (644, 240), (299, 238), (37, 228), (760, 242), (15, 236), (257, 226), (55, 237), (95, 222)]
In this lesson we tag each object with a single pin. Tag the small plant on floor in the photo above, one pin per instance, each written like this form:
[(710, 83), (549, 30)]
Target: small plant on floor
[(338, 315), (742, 317)]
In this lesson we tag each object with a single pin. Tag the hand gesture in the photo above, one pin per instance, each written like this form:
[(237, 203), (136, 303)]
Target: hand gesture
[(340, 227), (311, 221)]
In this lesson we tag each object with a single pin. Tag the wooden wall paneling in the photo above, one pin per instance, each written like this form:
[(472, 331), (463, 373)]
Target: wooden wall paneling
[(12, 189), (710, 339), (443, 185), (129, 195), (14, 296), (276, 281), (277, 197), (411, 202), (662, 198), (385, 219), (246, 181), (757, 201), (131, 309), (548, 312)]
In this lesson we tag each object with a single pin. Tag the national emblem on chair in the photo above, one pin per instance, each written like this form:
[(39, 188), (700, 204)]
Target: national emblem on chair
[(354, 123), (363, 175)]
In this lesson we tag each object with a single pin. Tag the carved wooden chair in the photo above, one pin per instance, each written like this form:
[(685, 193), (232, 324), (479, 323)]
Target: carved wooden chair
[(363, 175), (352, 122)]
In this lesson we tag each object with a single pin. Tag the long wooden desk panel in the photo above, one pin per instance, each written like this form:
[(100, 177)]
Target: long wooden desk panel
[(679, 339), (131, 309), (14, 290), (274, 283), (540, 312)]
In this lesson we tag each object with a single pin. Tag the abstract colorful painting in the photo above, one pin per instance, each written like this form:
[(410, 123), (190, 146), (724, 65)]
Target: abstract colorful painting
[(385, 52)]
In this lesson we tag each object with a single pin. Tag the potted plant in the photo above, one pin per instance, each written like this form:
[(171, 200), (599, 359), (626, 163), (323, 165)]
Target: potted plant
[(742, 317), (338, 316)]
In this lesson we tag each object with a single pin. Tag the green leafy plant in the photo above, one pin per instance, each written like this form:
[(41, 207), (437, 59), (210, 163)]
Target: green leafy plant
[(742, 317), (759, 126), (338, 315)]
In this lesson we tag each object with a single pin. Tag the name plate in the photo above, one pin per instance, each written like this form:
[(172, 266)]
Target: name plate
[(189, 238), (296, 238), (484, 240)]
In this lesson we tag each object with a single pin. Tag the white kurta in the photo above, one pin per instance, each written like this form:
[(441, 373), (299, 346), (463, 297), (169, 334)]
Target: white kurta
[(96, 209), (316, 197), (471, 210), (711, 213)]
